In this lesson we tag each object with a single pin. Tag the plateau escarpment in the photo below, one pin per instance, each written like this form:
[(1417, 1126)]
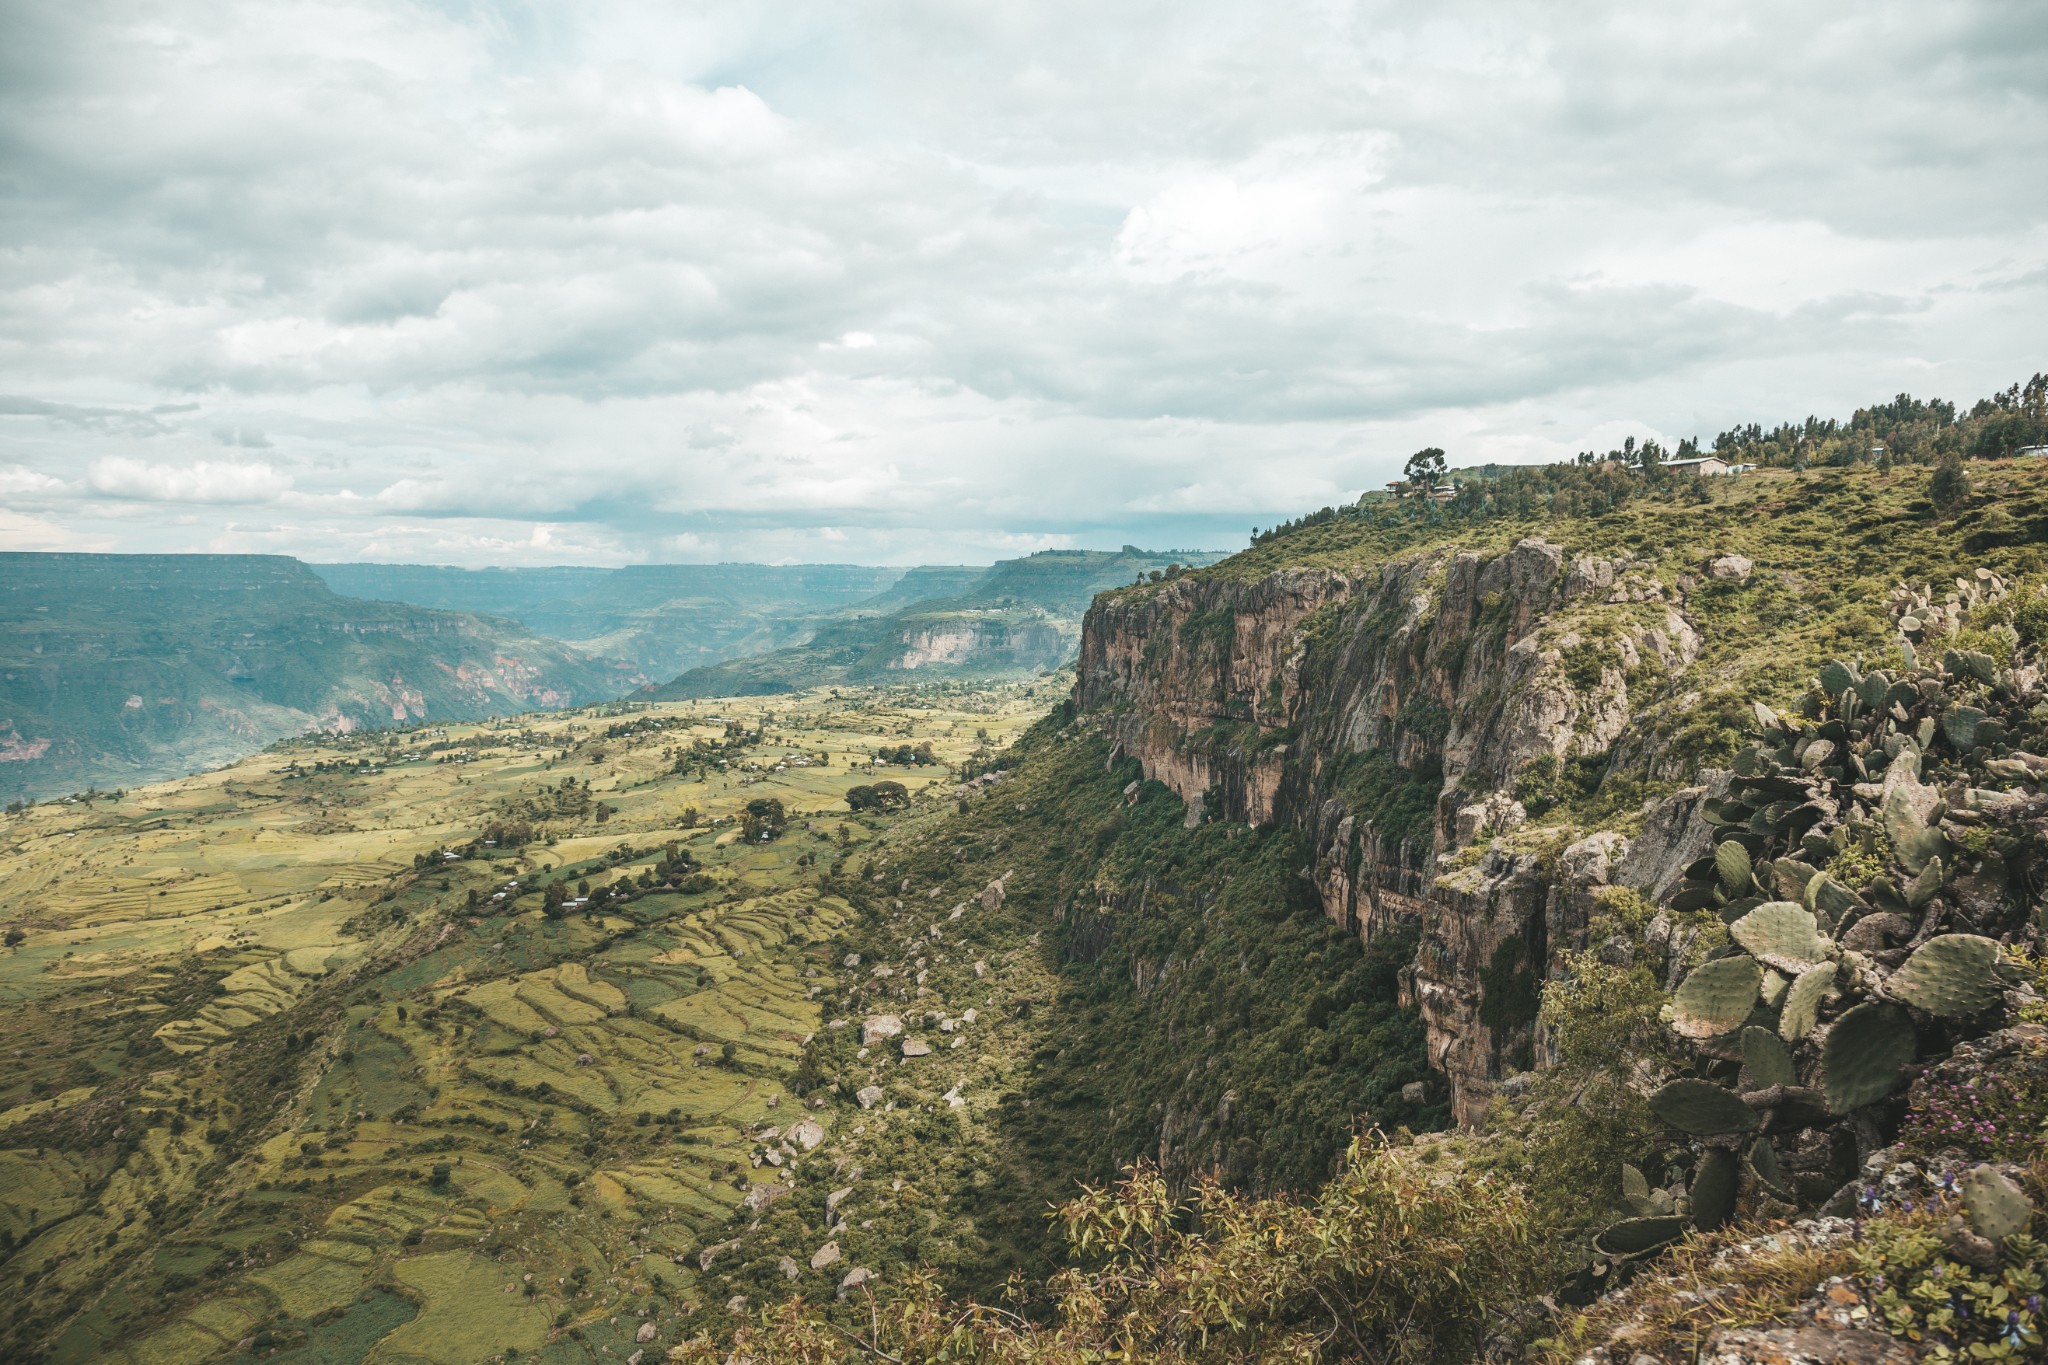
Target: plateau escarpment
[(1478, 731), (1017, 619)]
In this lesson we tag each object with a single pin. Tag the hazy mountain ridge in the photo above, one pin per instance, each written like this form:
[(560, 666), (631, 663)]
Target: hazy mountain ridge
[(117, 669), (1017, 618), (661, 618)]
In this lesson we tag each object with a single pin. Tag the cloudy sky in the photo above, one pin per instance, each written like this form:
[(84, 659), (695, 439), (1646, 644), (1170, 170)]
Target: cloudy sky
[(942, 280)]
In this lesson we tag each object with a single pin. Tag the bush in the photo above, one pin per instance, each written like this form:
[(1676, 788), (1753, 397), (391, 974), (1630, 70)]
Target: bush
[(1398, 1259), (1950, 483)]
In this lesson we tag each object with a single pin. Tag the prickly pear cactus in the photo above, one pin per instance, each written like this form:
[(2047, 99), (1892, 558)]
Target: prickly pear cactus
[(1716, 997), (1803, 1002), (1634, 1236), (1951, 975), (1713, 1189), (1893, 804), (1702, 1108), (1996, 1207), (1783, 935), (1767, 1059), (1731, 865), (1865, 1051)]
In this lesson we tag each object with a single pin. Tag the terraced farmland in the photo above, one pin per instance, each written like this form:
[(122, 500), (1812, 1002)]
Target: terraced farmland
[(443, 1046)]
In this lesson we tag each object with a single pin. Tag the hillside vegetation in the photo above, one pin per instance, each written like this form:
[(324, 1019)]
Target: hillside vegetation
[(1749, 942), (427, 1045)]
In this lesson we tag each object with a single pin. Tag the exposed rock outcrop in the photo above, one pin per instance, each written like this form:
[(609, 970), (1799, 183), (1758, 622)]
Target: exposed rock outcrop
[(1396, 715)]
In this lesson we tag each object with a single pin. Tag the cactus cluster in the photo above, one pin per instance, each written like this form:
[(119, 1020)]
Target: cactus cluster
[(1868, 852)]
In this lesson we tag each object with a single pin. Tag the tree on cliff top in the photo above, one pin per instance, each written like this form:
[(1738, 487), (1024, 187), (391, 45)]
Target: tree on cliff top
[(1425, 467)]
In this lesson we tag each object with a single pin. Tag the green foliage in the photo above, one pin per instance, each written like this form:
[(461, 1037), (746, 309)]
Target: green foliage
[(1399, 803), (1596, 1013), (1395, 1260), (879, 796), (1950, 483), (1584, 664), (1953, 1310)]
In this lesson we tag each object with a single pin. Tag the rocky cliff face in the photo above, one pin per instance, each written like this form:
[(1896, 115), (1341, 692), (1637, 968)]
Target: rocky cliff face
[(980, 642), (1397, 718)]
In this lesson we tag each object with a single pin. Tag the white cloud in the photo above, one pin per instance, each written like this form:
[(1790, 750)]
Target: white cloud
[(701, 281), (18, 482), (206, 481)]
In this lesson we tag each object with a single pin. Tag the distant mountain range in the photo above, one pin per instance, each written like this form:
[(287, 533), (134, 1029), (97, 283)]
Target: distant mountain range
[(1016, 618), (122, 669), (664, 619)]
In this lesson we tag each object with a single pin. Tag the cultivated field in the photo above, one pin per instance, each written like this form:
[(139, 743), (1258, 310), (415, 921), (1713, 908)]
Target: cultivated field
[(308, 1062)]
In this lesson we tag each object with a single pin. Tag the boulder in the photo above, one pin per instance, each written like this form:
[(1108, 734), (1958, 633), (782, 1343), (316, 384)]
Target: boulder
[(1674, 834), (916, 1047), (807, 1134), (869, 1096), (1730, 569), (876, 1027), (761, 1196), (825, 1255), (1589, 576)]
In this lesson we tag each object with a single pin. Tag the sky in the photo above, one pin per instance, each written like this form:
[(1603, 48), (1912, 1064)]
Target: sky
[(911, 281)]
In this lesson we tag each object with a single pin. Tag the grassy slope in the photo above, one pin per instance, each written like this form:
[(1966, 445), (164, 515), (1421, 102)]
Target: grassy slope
[(1149, 990), (249, 1031)]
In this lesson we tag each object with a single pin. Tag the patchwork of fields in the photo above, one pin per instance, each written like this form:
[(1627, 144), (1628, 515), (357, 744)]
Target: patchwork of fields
[(444, 1045)]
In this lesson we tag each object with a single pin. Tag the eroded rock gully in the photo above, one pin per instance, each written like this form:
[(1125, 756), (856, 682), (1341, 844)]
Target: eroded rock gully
[(1390, 716)]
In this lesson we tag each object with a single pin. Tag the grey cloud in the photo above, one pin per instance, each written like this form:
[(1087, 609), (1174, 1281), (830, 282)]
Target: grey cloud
[(548, 266), (131, 421)]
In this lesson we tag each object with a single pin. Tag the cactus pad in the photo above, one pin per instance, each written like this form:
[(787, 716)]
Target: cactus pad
[(1997, 1208), (1713, 1190), (1923, 887), (1782, 934), (1731, 864), (1863, 1055), (1951, 975), (1763, 1159), (1792, 876), (1802, 1002), (1635, 1189), (1768, 1061), (1717, 997), (1634, 1236), (1702, 1108), (1960, 724)]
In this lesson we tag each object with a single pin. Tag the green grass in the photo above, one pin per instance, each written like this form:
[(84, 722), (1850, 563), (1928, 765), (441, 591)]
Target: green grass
[(312, 1091)]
